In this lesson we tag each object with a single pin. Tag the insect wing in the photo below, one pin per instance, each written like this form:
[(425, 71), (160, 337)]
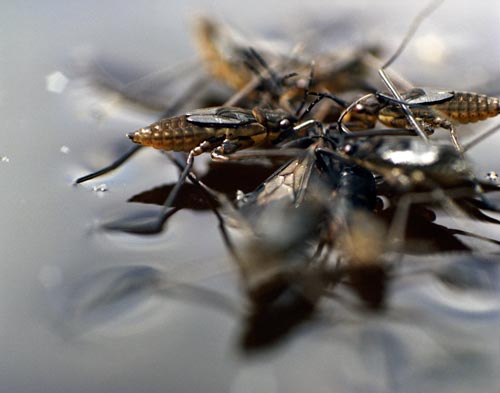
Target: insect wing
[(287, 185), (305, 178), (427, 96), (420, 96), (221, 117)]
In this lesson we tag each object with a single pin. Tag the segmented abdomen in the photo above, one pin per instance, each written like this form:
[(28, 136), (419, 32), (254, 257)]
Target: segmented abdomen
[(469, 107), (173, 134)]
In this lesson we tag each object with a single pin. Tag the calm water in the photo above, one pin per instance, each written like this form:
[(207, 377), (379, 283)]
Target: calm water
[(81, 308)]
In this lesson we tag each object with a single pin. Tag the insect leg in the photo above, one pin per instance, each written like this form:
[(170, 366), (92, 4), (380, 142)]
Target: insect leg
[(396, 232), (454, 138), (474, 141), (320, 97), (110, 167), (263, 153), (229, 146), (340, 121), (411, 31), (211, 195), (406, 109), (123, 158), (205, 146), (421, 16), (155, 226)]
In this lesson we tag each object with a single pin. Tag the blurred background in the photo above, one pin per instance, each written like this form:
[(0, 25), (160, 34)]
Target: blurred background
[(78, 307)]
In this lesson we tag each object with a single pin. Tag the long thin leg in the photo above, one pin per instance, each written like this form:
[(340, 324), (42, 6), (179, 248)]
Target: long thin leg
[(180, 182), (397, 228), (156, 225), (340, 121), (110, 167), (455, 140), (411, 31), (209, 196), (422, 15), (179, 102), (474, 141)]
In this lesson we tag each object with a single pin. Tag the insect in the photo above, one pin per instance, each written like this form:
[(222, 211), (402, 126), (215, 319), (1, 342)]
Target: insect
[(356, 234), (410, 164), (174, 106), (221, 131), (281, 221), (230, 60), (297, 192), (419, 109), (417, 172), (257, 127), (296, 218), (235, 64), (431, 108)]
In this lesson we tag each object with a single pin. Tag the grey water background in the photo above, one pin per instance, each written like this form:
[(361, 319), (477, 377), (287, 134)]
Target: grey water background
[(54, 257)]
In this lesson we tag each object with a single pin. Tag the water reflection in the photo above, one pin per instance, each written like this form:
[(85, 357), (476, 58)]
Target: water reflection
[(439, 333)]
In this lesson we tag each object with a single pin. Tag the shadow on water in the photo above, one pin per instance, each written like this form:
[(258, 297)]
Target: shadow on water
[(132, 310)]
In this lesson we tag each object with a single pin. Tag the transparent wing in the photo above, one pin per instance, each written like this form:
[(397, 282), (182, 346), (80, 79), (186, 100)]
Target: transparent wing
[(221, 116)]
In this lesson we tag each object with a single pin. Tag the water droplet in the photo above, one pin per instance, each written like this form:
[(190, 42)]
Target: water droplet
[(100, 189), (5, 159), (240, 196), (56, 82), (65, 149)]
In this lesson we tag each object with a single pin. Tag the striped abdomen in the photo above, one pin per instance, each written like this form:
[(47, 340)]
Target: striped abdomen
[(469, 107), (174, 134)]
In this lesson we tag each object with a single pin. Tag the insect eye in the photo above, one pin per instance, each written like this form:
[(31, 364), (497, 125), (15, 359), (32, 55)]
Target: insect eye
[(349, 149), (285, 123), (359, 108)]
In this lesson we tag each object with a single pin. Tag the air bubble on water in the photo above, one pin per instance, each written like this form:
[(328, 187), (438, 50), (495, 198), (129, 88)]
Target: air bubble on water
[(65, 149), (56, 82), (100, 188)]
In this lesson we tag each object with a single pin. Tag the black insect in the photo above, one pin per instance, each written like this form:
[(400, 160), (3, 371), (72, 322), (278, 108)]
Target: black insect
[(294, 221)]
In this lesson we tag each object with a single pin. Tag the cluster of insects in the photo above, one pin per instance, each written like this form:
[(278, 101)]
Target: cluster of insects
[(358, 168)]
